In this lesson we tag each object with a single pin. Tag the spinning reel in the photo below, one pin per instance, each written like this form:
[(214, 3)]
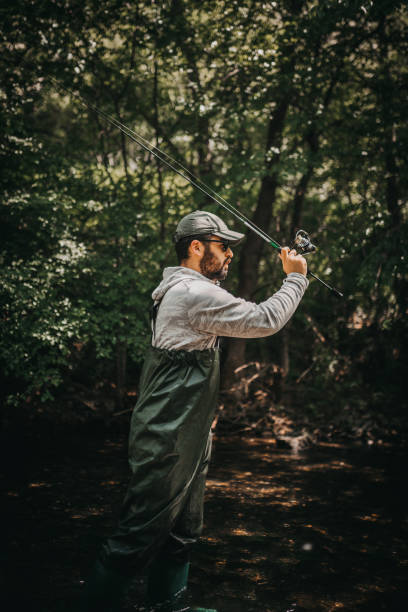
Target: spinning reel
[(303, 244)]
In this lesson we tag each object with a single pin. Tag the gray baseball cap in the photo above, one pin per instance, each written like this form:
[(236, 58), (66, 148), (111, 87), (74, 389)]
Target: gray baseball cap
[(201, 222)]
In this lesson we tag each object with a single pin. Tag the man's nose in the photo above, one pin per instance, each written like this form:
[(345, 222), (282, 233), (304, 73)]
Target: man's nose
[(230, 252)]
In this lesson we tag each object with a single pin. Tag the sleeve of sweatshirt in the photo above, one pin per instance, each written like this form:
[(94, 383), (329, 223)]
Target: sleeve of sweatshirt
[(214, 310)]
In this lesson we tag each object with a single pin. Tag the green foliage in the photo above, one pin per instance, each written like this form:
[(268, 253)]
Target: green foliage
[(87, 217)]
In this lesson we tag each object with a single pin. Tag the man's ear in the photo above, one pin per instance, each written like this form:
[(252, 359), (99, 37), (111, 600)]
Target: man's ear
[(196, 247)]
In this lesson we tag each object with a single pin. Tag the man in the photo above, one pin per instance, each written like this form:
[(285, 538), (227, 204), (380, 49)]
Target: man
[(170, 440)]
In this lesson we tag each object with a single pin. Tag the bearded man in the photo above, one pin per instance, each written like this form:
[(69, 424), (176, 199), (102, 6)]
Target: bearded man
[(170, 438)]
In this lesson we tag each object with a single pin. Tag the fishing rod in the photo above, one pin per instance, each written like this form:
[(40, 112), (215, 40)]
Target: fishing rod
[(302, 241)]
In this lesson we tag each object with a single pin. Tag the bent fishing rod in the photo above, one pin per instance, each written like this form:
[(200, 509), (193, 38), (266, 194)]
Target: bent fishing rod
[(301, 243)]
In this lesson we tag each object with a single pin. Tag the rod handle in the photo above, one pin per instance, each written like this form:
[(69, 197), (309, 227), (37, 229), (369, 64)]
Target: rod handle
[(336, 292)]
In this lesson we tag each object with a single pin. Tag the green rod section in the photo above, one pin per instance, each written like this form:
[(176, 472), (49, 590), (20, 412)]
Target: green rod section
[(275, 245)]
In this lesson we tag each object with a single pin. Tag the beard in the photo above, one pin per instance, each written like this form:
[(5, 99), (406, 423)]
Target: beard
[(211, 268)]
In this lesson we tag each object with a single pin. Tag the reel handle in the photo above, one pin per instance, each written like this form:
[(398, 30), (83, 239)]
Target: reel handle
[(336, 292)]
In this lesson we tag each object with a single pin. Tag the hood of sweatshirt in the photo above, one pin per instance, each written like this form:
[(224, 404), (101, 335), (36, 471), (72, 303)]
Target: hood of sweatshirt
[(174, 275)]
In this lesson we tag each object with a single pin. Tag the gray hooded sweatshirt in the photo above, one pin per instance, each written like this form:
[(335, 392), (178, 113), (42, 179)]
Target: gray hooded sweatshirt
[(194, 310)]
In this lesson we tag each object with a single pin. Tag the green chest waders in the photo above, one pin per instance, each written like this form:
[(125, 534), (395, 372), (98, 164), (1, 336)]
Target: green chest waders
[(169, 449), (162, 514)]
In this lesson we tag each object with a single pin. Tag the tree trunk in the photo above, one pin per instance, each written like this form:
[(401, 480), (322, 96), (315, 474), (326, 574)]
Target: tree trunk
[(248, 268), (250, 257)]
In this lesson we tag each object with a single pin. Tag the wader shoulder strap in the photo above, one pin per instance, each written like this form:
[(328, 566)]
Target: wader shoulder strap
[(153, 316)]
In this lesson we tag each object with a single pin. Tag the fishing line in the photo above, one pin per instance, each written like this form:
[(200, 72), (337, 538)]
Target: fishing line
[(187, 175), (164, 157)]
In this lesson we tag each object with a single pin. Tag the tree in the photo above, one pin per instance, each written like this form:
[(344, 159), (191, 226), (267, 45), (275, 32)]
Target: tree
[(294, 111)]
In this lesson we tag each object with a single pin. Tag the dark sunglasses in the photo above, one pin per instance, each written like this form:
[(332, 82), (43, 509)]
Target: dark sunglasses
[(225, 243)]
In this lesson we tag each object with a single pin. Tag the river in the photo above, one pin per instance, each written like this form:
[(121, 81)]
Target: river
[(324, 529)]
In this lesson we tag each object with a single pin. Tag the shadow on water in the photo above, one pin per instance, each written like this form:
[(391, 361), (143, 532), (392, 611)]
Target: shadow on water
[(325, 529)]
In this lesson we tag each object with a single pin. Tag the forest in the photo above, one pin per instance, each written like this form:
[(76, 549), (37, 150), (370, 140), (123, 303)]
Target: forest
[(296, 113)]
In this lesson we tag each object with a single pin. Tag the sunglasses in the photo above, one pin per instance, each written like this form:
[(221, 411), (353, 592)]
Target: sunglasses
[(225, 243)]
